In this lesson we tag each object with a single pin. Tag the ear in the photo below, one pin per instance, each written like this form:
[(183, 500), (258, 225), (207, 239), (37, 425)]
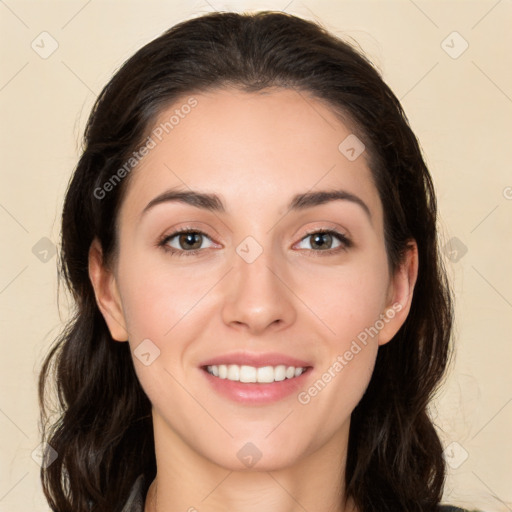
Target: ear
[(400, 294), (107, 293)]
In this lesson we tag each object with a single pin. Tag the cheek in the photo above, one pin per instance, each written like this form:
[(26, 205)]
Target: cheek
[(348, 359), (157, 297), (348, 300), (349, 305)]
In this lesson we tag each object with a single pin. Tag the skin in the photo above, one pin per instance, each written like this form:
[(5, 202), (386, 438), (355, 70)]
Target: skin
[(255, 151)]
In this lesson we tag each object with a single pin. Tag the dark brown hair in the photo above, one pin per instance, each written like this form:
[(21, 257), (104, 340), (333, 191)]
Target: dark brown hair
[(103, 433)]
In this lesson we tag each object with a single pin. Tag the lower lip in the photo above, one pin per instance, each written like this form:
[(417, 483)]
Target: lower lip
[(257, 393)]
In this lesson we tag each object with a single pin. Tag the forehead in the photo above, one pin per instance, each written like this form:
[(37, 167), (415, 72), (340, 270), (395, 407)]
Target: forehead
[(253, 148)]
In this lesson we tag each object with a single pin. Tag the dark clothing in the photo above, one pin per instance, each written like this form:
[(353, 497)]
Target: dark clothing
[(136, 500)]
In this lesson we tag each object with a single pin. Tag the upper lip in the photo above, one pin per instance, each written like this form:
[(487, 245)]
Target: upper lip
[(256, 360)]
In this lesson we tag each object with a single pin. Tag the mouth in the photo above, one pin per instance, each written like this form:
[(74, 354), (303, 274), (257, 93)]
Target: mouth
[(256, 378)]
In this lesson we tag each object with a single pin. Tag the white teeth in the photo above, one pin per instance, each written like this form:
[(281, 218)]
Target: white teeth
[(247, 374), (233, 372), (280, 372), (264, 374)]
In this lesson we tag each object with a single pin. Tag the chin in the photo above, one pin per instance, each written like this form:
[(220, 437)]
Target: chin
[(264, 464), (257, 455)]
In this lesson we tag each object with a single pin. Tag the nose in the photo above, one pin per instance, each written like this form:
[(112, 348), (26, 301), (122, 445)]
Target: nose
[(257, 296)]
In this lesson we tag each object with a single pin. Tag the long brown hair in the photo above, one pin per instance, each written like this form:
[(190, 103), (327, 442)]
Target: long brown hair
[(103, 433)]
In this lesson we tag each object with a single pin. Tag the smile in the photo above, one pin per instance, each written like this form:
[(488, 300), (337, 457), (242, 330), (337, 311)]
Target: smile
[(264, 374)]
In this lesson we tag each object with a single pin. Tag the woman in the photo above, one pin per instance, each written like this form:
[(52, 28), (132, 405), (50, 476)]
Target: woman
[(262, 312)]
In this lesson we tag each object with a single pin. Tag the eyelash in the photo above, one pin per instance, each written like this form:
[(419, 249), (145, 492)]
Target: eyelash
[(345, 242)]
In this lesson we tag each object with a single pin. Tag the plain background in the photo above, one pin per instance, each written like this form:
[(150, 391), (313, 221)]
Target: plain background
[(459, 103)]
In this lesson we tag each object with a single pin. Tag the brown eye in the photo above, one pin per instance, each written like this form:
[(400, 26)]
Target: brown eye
[(190, 240), (185, 242), (322, 241)]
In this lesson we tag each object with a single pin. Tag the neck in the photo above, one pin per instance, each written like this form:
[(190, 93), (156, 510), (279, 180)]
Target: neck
[(188, 482)]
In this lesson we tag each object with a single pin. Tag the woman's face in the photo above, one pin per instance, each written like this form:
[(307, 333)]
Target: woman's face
[(250, 292)]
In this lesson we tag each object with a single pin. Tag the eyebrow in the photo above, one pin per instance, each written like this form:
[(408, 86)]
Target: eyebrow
[(213, 203)]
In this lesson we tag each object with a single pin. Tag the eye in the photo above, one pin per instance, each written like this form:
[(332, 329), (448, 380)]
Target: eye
[(322, 241), (184, 242), (187, 242)]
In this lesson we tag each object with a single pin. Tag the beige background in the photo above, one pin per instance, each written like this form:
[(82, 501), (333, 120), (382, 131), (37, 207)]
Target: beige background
[(460, 108)]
